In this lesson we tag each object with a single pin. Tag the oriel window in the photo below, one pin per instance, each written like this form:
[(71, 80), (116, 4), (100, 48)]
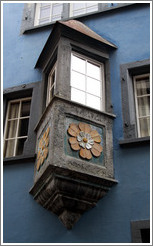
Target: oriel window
[(16, 126)]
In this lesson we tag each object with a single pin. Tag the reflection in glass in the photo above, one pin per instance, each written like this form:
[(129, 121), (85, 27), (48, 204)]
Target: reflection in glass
[(77, 96), (25, 108), (78, 80), (143, 106), (93, 70), (78, 64), (142, 86), (20, 146), (23, 127), (145, 126), (9, 148), (14, 110), (11, 129), (93, 86), (93, 101), (45, 12)]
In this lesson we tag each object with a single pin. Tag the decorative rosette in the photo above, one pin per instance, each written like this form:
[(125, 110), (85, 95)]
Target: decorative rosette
[(85, 139), (43, 148)]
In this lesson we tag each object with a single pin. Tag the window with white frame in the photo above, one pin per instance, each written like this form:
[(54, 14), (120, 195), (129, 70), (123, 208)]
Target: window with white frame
[(82, 8), (16, 126), (142, 102), (51, 85), (47, 12), (87, 82)]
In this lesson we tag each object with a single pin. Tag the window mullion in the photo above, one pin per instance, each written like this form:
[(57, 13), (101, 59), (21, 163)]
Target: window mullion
[(136, 105), (17, 131)]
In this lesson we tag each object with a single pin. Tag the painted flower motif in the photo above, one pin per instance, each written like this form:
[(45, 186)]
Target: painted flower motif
[(43, 148), (84, 139)]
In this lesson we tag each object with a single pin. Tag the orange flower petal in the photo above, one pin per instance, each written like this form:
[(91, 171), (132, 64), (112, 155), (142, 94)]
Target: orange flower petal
[(88, 154), (97, 147), (97, 139), (73, 130), (94, 133), (84, 127), (72, 140), (75, 146), (95, 152), (74, 127), (83, 153)]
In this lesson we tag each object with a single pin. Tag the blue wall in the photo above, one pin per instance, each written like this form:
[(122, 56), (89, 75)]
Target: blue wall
[(24, 220)]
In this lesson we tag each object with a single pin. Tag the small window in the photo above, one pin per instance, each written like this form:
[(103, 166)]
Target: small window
[(16, 126), (82, 8), (87, 82), (48, 12), (142, 102), (51, 85)]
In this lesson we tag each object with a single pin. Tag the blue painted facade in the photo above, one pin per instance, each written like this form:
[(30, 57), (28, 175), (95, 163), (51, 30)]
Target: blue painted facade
[(109, 222)]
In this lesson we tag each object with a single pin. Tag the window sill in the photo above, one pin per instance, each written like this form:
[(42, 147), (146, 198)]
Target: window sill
[(19, 159), (134, 141)]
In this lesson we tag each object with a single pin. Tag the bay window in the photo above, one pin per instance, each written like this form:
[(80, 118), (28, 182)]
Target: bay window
[(87, 82)]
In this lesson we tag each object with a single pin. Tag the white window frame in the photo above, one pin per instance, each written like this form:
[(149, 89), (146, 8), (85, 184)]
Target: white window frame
[(49, 85), (136, 102), (18, 118), (86, 9), (102, 80), (38, 10)]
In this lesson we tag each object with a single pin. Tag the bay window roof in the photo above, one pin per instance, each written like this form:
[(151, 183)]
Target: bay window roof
[(74, 30)]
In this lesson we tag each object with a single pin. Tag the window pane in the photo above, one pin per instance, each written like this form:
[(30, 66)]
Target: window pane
[(78, 80), (11, 129), (45, 4), (44, 12), (143, 106), (92, 7), (14, 110), (25, 108), (20, 146), (77, 96), (93, 101), (43, 21), (93, 70), (145, 127), (23, 127), (77, 6), (93, 86), (9, 148), (142, 86), (57, 9), (78, 64)]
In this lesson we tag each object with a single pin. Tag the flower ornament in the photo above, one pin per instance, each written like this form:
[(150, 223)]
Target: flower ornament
[(43, 148), (85, 139)]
